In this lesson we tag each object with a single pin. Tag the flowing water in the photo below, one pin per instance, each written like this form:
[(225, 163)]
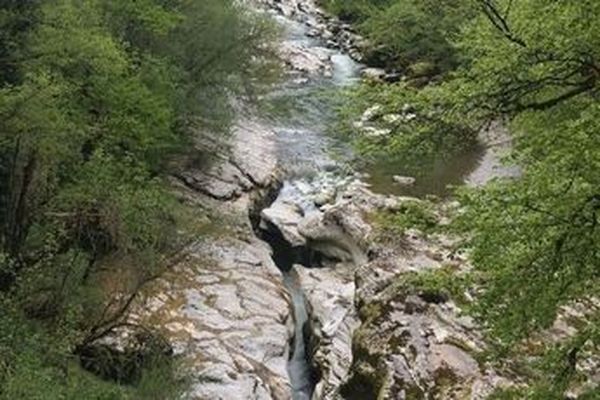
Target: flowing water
[(301, 373), (307, 154), (313, 159)]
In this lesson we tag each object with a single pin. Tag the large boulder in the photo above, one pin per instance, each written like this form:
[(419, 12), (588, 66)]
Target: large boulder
[(338, 229), (284, 217), (404, 180), (373, 74), (339, 233), (307, 60)]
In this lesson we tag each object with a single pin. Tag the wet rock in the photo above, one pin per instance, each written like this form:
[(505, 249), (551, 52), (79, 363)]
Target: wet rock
[(372, 335), (392, 119), (326, 196), (304, 59), (339, 232), (336, 230), (328, 28), (336, 233)]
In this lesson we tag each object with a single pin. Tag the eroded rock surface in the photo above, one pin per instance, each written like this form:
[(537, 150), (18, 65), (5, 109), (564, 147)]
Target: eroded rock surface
[(332, 223), (371, 336), (224, 310), (307, 60), (329, 294), (415, 345), (222, 307), (245, 164)]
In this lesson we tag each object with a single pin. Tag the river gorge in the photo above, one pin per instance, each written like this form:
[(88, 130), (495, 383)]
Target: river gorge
[(295, 296)]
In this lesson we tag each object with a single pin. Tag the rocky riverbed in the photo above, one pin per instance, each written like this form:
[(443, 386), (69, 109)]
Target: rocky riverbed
[(298, 296)]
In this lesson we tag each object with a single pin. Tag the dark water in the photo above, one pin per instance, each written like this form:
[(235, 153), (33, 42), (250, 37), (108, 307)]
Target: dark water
[(301, 373), (438, 178)]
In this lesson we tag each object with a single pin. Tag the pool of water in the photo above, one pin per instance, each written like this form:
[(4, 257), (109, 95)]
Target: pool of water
[(438, 178)]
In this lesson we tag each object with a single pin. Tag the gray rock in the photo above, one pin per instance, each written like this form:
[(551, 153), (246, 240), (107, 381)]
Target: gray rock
[(371, 113), (304, 59), (373, 74), (285, 217), (336, 234), (404, 180), (249, 165), (326, 196), (330, 295), (233, 332), (413, 342), (371, 131)]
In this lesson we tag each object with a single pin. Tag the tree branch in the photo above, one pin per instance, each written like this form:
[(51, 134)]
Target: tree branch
[(544, 105), (500, 22)]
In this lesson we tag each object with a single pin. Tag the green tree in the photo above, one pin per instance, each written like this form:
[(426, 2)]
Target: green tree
[(97, 97), (411, 36), (535, 65)]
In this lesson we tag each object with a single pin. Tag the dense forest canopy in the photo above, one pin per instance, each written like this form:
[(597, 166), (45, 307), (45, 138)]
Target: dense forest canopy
[(96, 99), (534, 66)]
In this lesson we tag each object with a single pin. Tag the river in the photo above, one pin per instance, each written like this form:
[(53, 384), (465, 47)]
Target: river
[(313, 159)]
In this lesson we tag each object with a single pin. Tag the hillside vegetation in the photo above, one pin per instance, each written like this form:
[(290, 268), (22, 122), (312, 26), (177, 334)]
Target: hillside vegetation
[(97, 98)]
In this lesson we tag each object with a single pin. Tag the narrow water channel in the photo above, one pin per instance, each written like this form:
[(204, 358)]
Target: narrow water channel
[(302, 375), (305, 151)]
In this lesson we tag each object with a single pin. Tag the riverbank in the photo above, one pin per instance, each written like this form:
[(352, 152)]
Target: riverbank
[(223, 308), (302, 294)]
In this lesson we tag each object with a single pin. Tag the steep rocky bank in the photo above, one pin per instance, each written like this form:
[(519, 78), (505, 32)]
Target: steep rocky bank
[(372, 338), (223, 308)]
